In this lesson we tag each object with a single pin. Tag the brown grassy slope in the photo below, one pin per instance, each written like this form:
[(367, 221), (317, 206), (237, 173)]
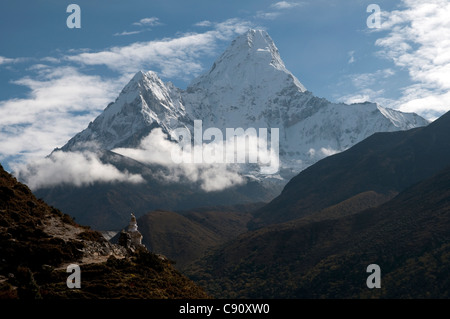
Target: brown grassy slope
[(143, 276), (186, 236), (408, 236), (269, 243), (27, 227)]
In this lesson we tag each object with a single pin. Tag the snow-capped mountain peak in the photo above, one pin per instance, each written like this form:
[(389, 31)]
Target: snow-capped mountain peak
[(248, 86), (251, 61), (144, 103)]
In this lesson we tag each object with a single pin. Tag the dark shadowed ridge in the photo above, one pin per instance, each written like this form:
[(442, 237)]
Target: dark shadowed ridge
[(384, 163), (407, 236)]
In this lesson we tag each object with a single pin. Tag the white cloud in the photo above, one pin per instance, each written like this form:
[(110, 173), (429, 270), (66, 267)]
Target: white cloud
[(204, 23), (285, 5), (127, 33), (425, 101), (146, 22), (267, 15), (71, 168), (364, 84), (5, 60), (365, 95), (351, 54), (360, 97), (418, 41), (277, 9), (151, 22), (50, 59), (322, 152), (328, 151), (157, 149), (60, 103), (37, 67), (174, 57), (365, 80)]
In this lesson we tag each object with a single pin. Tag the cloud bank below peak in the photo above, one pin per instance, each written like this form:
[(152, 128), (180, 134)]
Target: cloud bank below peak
[(71, 168)]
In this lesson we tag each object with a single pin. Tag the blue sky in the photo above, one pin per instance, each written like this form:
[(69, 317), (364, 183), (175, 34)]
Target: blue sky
[(55, 80)]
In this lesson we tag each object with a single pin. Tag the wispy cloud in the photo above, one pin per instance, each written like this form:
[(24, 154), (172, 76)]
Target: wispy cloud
[(285, 5), (204, 23), (365, 80), (150, 22), (50, 59), (415, 38), (156, 148), (277, 9), (5, 60), (60, 102), (267, 15), (145, 22), (127, 33), (363, 95), (351, 55), (71, 168), (173, 57), (364, 83), (418, 41)]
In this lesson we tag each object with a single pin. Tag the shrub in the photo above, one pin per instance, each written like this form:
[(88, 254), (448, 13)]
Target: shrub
[(27, 287), (148, 259), (91, 235)]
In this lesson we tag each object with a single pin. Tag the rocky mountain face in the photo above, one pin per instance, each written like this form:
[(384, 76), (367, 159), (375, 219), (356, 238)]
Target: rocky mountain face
[(38, 242), (144, 103)]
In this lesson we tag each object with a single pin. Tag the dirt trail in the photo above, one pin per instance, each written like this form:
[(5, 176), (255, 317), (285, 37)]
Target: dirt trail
[(94, 252), (57, 228)]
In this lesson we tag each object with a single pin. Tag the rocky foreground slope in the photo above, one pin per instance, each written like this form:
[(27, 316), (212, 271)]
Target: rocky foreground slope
[(38, 242)]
